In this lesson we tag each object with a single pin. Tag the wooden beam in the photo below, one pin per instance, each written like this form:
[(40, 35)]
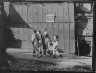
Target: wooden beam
[(48, 0)]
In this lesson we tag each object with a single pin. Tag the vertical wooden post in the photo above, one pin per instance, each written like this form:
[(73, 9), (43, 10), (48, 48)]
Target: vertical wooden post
[(4, 12), (71, 28), (94, 30), (76, 42), (6, 7), (1, 26)]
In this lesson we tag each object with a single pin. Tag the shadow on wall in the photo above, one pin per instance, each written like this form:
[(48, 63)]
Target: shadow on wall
[(13, 20), (8, 36), (9, 39), (60, 50)]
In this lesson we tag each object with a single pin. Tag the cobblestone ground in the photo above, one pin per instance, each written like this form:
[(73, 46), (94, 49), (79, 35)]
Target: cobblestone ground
[(30, 65)]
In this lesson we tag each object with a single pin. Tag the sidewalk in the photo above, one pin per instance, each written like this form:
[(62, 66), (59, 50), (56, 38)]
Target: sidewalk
[(67, 60)]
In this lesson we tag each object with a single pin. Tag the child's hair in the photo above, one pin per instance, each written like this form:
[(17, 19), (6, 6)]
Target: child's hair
[(47, 36), (49, 39), (34, 31), (56, 36), (44, 29), (39, 31), (51, 44)]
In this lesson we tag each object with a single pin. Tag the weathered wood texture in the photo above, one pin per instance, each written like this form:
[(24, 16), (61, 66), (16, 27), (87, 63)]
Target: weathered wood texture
[(25, 18)]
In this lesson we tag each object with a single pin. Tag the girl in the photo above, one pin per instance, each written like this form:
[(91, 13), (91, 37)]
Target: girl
[(55, 46)]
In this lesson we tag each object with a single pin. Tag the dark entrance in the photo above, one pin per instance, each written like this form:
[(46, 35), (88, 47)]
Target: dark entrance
[(84, 28)]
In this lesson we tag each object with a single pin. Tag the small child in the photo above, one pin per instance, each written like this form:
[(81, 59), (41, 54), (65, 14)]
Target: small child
[(34, 41), (55, 46), (40, 43), (50, 45), (44, 40)]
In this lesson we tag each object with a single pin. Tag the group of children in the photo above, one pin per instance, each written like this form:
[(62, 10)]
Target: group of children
[(41, 39)]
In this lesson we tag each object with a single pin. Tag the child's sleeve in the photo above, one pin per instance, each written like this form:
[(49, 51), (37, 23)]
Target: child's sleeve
[(32, 38)]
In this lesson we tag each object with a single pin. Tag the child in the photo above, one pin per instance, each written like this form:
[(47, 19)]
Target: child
[(50, 45), (44, 40), (40, 43), (55, 46), (34, 41)]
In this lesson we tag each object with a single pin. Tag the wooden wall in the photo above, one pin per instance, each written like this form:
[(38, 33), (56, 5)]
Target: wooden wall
[(33, 15)]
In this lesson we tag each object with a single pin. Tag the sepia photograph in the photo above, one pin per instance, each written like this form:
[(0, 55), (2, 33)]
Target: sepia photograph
[(45, 35)]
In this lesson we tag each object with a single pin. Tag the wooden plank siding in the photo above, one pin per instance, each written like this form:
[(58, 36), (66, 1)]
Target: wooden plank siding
[(72, 38), (50, 25), (55, 29), (15, 30), (34, 17), (55, 11), (65, 9), (71, 27), (44, 12), (30, 32), (25, 30), (50, 30), (60, 11), (66, 27), (66, 37), (34, 13), (61, 26), (39, 9), (30, 9), (61, 37), (20, 11)]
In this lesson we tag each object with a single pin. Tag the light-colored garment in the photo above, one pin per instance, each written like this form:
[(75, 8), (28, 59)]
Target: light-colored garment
[(45, 32), (40, 39), (33, 37), (55, 44), (54, 48), (49, 46), (34, 40), (46, 40)]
